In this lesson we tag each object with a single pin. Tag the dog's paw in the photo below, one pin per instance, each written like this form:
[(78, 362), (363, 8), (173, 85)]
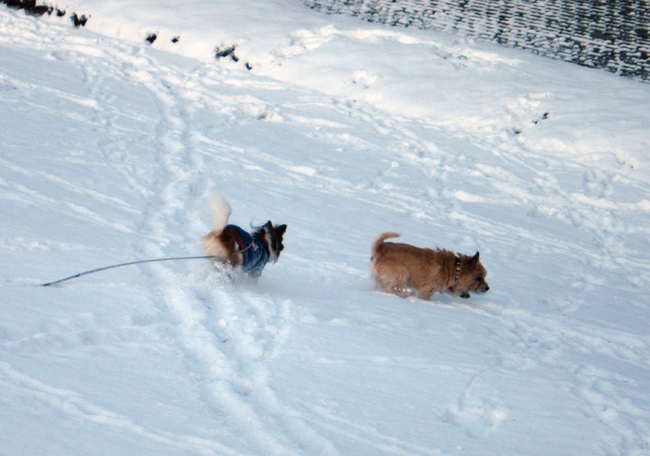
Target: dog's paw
[(402, 292), (464, 295)]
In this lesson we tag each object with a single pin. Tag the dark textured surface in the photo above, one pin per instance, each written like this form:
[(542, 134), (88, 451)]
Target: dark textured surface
[(611, 34)]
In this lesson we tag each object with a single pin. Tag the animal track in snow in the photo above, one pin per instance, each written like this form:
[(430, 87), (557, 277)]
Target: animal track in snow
[(475, 415)]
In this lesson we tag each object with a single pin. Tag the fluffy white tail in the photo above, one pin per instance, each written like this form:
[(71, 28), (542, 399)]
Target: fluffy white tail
[(220, 211)]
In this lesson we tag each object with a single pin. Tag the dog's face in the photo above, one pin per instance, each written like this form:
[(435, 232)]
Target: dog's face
[(276, 237), (472, 277)]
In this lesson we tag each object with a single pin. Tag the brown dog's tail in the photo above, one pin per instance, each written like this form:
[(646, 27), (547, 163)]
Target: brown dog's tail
[(379, 240)]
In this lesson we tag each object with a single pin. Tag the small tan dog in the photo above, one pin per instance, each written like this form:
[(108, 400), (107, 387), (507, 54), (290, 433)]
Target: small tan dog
[(406, 270)]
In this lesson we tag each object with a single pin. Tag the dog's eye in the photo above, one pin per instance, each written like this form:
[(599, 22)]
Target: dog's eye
[(478, 279)]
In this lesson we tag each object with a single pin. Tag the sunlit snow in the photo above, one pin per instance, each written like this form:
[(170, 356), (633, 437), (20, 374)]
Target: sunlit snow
[(110, 148)]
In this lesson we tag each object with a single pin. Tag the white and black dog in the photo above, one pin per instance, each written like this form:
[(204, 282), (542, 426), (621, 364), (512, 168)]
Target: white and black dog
[(245, 252)]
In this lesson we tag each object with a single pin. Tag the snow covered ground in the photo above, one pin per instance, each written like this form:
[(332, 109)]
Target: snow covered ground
[(110, 149)]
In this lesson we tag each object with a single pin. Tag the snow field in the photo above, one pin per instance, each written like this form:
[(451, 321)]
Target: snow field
[(111, 150)]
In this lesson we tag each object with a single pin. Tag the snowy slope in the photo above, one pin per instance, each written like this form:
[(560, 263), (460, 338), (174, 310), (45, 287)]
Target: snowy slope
[(110, 149)]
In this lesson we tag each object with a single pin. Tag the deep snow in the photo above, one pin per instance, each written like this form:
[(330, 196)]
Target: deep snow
[(110, 149)]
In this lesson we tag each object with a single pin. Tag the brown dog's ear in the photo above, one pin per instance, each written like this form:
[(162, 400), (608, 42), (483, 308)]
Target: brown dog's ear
[(474, 259), (281, 228)]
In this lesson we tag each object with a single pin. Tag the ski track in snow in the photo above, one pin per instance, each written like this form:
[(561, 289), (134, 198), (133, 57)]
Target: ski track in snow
[(227, 333), (224, 348)]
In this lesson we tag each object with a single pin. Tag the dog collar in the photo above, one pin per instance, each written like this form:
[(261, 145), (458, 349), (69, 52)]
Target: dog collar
[(456, 274)]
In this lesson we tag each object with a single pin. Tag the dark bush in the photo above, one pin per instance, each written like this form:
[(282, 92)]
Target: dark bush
[(226, 51), (29, 6), (79, 20)]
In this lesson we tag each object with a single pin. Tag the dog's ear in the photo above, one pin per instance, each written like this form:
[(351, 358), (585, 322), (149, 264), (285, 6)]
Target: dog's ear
[(281, 229), (474, 259)]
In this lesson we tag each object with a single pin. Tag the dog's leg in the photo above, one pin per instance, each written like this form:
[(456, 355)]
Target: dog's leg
[(426, 293), (397, 279), (376, 280), (375, 276), (381, 284), (379, 280)]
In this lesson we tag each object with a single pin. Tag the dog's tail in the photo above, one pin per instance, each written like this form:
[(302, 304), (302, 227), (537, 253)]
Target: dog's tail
[(220, 211), (379, 240)]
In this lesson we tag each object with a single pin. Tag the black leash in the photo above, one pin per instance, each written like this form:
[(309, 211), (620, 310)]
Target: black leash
[(125, 264), (138, 262)]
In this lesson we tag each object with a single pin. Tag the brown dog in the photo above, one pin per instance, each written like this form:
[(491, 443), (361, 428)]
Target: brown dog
[(406, 270), (231, 245)]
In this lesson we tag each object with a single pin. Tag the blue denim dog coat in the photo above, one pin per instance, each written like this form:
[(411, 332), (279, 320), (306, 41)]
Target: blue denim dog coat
[(255, 252)]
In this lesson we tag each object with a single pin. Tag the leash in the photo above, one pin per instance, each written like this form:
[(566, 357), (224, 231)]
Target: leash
[(120, 265), (135, 262)]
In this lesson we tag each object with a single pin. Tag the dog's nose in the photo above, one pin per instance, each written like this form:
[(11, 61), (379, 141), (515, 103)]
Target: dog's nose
[(486, 288)]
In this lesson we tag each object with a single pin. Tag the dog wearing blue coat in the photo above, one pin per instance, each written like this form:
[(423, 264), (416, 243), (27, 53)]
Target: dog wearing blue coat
[(245, 252)]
